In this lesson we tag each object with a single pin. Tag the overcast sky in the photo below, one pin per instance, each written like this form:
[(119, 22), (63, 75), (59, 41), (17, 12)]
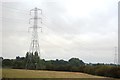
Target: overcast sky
[(86, 29)]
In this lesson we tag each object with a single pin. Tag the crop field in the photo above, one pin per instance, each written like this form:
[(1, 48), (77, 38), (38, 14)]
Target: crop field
[(21, 73)]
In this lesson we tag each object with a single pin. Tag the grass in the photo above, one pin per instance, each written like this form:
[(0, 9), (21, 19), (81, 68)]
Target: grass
[(21, 73)]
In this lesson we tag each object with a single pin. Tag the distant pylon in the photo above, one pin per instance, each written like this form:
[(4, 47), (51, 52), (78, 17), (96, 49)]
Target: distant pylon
[(115, 56), (34, 45)]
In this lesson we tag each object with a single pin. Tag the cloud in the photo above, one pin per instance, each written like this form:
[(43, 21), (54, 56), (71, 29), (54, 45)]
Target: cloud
[(84, 30)]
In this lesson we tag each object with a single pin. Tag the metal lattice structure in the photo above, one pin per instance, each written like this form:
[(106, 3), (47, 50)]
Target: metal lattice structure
[(115, 57), (34, 45), (32, 58)]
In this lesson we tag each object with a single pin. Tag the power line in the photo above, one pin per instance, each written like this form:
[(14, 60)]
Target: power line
[(12, 21), (24, 11), (14, 8), (13, 18)]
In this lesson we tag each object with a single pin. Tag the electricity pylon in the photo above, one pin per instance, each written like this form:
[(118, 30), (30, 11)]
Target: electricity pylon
[(32, 56), (34, 46), (115, 56)]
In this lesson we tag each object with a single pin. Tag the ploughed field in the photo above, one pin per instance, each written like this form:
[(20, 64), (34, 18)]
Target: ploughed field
[(22, 73)]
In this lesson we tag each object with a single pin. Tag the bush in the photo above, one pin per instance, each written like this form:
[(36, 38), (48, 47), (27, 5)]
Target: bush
[(114, 72)]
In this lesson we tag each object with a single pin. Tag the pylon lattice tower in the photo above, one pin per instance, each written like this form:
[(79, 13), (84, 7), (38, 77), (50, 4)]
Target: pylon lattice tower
[(34, 45), (115, 57), (32, 57)]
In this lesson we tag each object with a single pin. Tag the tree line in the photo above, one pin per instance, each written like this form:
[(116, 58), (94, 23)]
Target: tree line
[(33, 62)]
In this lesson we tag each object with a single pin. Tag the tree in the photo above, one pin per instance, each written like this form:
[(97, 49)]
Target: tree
[(36, 59), (6, 63), (76, 62)]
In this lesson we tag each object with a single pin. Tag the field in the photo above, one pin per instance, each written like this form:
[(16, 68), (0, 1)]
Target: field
[(20, 73), (48, 75)]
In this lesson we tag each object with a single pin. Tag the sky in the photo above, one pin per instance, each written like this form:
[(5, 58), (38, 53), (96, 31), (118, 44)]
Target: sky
[(84, 29)]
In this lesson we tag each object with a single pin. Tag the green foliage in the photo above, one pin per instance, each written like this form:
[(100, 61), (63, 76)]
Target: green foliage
[(103, 70), (7, 63), (32, 61), (76, 62)]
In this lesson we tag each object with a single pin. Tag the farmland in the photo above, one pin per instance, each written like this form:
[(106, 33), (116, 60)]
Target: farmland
[(21, 73)]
